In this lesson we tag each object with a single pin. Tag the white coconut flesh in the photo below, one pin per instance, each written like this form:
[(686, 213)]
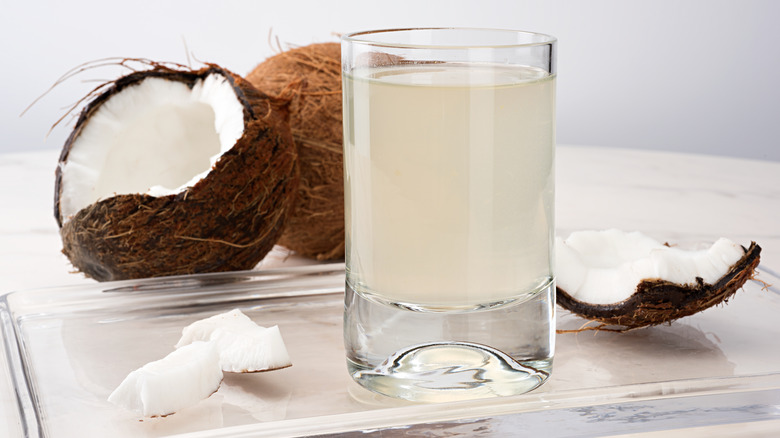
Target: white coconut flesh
[(243, 346), (605, 267), (179, 380), (156, 137), (201, 330)]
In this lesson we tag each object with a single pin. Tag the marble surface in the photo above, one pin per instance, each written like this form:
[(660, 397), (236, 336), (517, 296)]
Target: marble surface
[(680, 198)]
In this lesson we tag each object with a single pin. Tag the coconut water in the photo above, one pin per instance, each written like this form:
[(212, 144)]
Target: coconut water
[(449, 183)]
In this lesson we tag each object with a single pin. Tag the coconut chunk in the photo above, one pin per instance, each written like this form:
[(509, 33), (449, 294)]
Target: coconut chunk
[(201, 330), (179, 380), (243, 346), (605, 267), (251, 350)]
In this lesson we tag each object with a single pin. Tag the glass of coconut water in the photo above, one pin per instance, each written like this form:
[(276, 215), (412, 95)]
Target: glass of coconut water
[(449, 141)]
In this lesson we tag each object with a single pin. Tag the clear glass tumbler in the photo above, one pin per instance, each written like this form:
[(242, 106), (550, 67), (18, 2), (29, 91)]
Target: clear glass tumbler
[(449, 138)]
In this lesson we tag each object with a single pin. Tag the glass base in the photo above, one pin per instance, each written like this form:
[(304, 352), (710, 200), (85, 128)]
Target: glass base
[(439, 356)]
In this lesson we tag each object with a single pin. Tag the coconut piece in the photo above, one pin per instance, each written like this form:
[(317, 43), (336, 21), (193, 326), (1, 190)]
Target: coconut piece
[(201, 330), (631, 280), (179, 380), (243, 346), (312, 76), (251, 350), (174, 171)]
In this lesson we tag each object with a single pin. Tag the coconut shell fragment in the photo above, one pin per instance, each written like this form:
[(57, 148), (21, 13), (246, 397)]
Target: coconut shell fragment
[(227, 220), (311, 77), (657, 301)]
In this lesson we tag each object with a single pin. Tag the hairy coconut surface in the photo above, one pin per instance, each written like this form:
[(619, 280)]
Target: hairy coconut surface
[(223, 216), (311, 75), (658, 301)]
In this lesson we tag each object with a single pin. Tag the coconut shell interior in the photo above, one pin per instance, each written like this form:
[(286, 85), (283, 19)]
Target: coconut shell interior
[(656, 301), (311, 77), (229, 220)]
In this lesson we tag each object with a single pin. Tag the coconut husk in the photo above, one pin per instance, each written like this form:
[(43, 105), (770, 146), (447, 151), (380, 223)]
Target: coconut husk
[(311, 75), (657, 301), (229, 220)]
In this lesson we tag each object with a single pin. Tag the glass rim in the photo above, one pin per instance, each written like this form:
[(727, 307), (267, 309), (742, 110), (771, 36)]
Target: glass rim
[(355, 38)]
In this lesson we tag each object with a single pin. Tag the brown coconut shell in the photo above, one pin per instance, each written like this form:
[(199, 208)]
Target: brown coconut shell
[(229, 220), (657, 301), (312, 76)]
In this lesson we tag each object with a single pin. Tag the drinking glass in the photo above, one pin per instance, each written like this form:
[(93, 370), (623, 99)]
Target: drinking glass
[(449, 137)]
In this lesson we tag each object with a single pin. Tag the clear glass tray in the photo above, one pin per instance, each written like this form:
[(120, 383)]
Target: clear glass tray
[(67, 348)]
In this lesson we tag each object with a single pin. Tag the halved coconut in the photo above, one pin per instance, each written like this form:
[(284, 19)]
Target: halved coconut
[(631, 280), (179, 380), (175, 172), (243, 346)]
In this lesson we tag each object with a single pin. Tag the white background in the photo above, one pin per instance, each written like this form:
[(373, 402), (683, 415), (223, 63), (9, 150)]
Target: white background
[(694, 76)]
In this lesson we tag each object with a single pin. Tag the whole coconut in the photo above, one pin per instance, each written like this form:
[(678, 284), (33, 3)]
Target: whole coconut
[(311, 75), (175, 171)]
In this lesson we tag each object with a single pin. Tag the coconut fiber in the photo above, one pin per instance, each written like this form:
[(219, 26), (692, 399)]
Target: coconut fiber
[(311, 77)]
